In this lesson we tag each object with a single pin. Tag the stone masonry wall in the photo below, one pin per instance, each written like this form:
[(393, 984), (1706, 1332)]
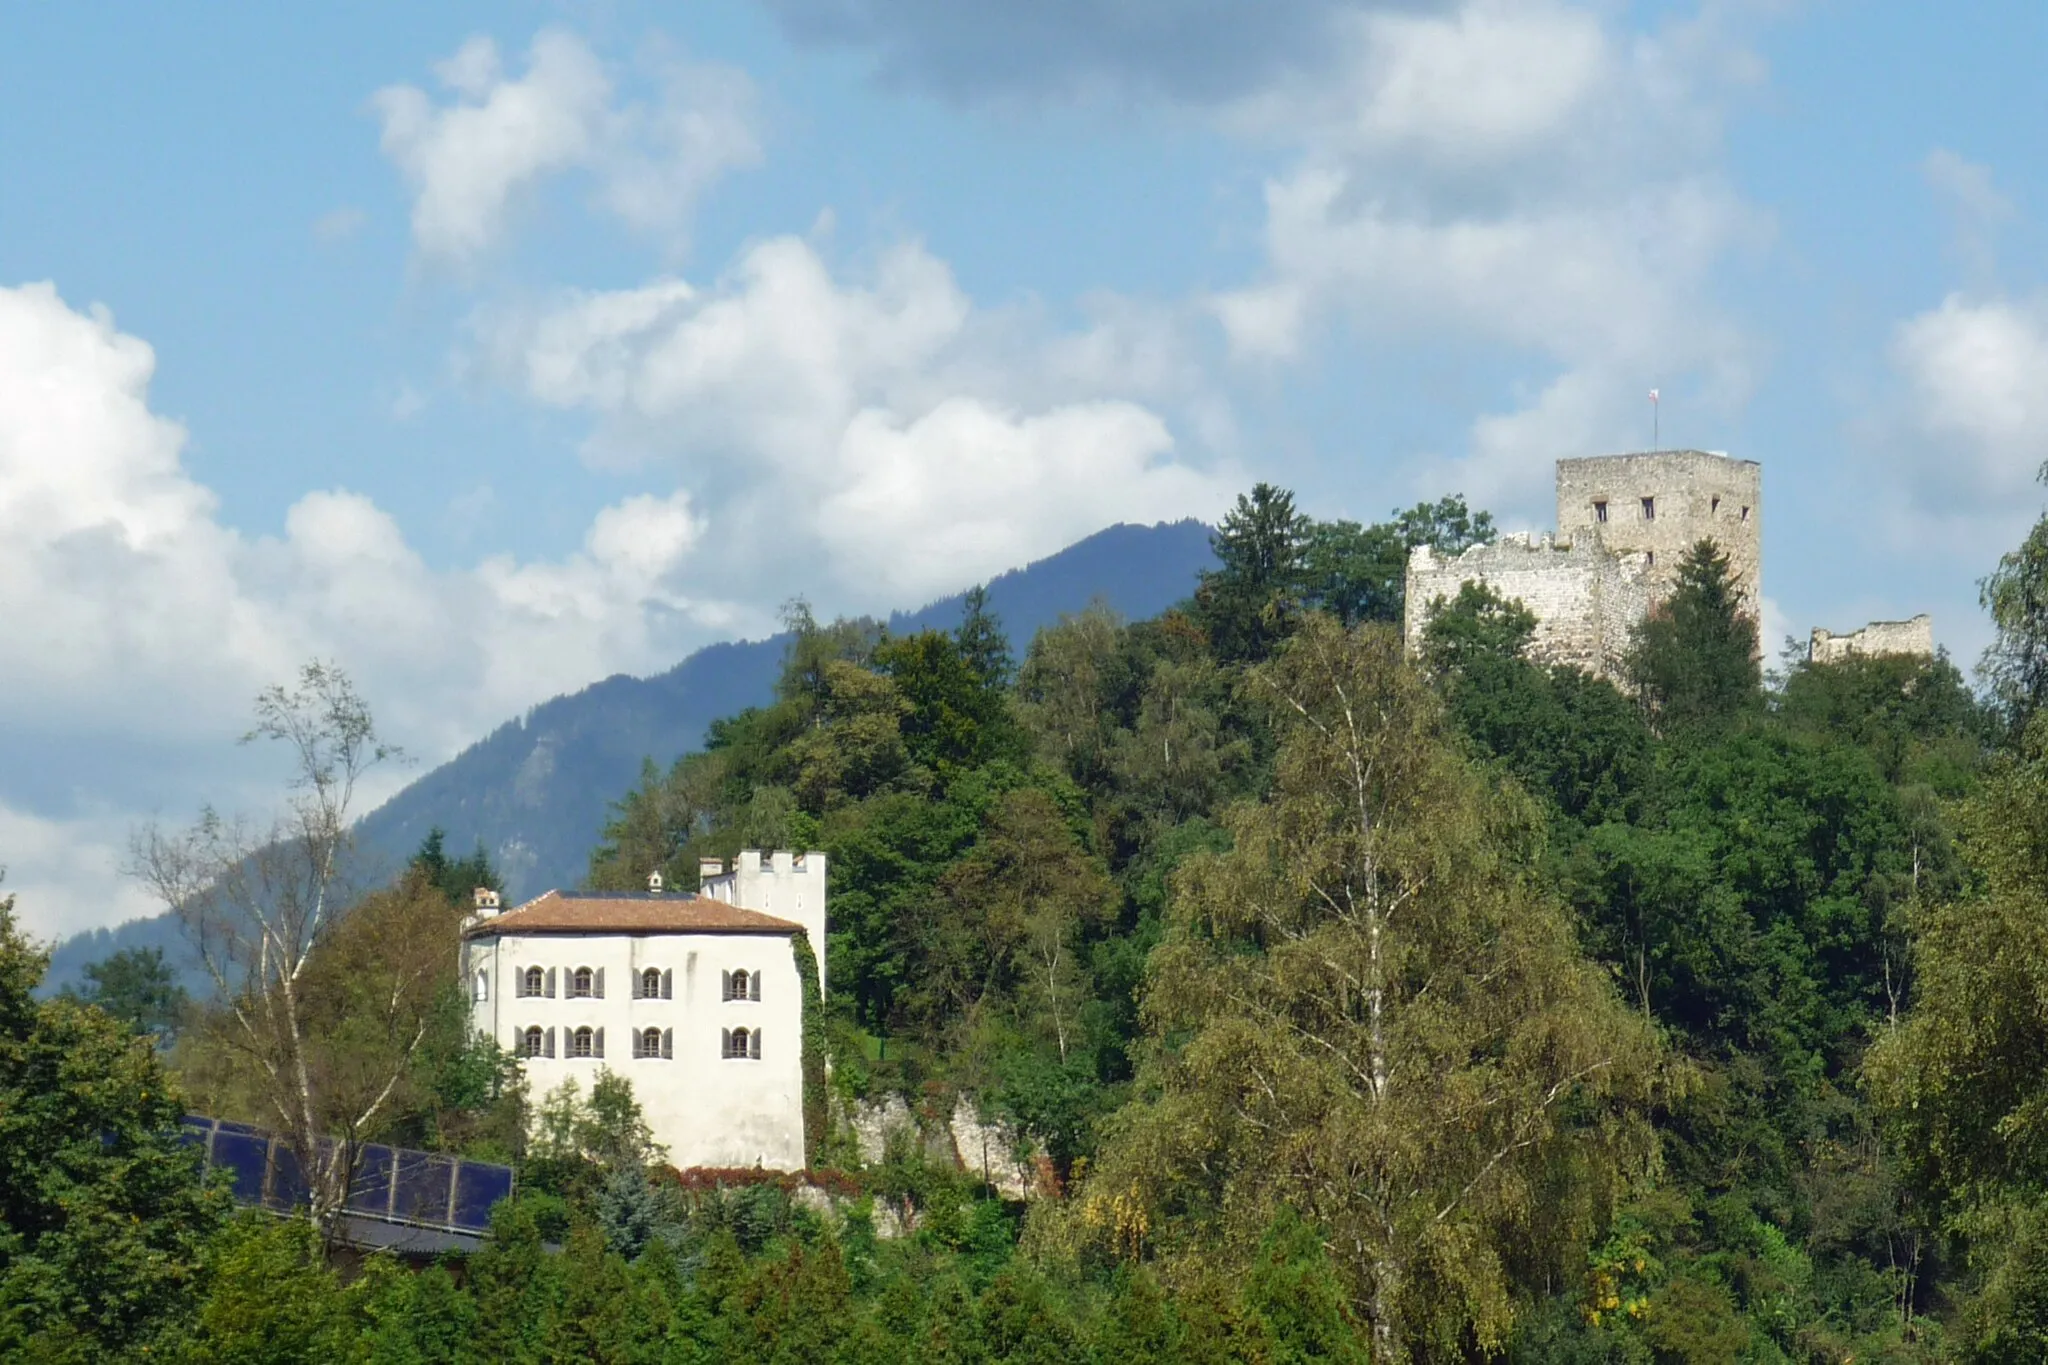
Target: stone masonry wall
[(1914, 637), (1584, 597), (1691, 495)]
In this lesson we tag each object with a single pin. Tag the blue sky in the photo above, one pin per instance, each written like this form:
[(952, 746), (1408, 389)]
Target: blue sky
[(492, 349)]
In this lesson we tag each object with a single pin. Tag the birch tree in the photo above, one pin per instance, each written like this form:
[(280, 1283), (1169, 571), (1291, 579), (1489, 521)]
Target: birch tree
[(1368, 1012), (260, 901)]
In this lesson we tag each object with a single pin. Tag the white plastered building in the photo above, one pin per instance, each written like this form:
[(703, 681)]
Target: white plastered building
[(695, 999)]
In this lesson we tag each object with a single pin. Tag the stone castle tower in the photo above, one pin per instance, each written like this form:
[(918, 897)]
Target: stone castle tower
[(1663, 503), (1624, 522)]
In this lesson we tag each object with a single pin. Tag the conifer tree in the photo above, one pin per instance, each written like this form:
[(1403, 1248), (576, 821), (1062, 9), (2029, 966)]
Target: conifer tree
[(1248, 602), (1693, 660)]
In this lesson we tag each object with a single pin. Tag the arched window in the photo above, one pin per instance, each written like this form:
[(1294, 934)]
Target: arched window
[(534, 981), (650, 984), (580, 1044), (738, 1047), (483, 987), (531, 1042), (739, 984), (649, 1043), (580, 983)]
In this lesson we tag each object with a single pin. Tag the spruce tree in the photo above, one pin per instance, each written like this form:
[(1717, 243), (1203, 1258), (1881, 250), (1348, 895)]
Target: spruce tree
[(1249, 601), (1693, 660)]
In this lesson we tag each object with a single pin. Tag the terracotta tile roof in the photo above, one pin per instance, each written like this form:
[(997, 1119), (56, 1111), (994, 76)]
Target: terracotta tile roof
[(559, 912)]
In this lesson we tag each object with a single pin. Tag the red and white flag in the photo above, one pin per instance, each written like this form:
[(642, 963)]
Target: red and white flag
[(1653, 395)]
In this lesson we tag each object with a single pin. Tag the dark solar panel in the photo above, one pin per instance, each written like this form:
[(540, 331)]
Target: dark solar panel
[(370, 1191), (287, 1180), (477, 1187), (245, 1156), (423, 1187), (390, 1182)]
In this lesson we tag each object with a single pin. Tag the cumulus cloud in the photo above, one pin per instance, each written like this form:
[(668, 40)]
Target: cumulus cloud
[(138, 620), (497, 136), (1527, 180), (1976, 418), (879, 435), (62, 872)]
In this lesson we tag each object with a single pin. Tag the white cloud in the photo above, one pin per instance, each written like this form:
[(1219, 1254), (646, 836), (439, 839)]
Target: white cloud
[(1976, 420), (136, 618), (471, 159), (866, 441), (1528, 181), (966, 489), (62, 872)]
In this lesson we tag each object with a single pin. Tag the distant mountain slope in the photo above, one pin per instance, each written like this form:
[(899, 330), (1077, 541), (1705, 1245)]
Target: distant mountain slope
[(536, 791)]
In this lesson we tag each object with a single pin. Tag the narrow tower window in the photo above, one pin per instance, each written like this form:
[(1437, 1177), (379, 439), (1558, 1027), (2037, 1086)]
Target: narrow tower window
[(1713, 506), (1600, 511), (1649, 509)]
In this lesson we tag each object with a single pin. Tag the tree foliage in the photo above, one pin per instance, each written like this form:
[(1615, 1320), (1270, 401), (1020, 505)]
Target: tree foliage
[(137, 987), (1387, 1024), (102, 1217), (1357, 1008), (1693, 660), (2015, 594)]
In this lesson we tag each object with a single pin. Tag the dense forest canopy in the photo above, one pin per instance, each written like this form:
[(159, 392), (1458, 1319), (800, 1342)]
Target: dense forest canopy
[(1358, 1008)]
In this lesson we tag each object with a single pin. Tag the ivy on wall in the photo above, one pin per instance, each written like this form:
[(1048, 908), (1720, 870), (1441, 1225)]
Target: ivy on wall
[(814, 1046)]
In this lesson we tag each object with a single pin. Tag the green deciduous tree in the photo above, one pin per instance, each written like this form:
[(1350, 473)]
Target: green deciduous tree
[(1359, 573), (954, 715), (1962, 1075), (1371, 1013), (102, 1215), (260, 902), (1566, 736), (2016, 595), (1004, 926)]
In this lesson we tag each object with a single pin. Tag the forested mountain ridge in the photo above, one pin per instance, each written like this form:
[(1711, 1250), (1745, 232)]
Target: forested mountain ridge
[(534, 792)]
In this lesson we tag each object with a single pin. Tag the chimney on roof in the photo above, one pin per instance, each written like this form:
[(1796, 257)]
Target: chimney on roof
[(654, 883), (486, 902)]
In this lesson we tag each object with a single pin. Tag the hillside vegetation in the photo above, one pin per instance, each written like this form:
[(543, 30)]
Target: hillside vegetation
[(1360, 1008), (535, 791)]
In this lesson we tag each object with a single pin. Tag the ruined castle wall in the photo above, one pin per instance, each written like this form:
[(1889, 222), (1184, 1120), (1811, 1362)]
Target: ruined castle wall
[(1585, 598), (1661, 503), (1915, 637)]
